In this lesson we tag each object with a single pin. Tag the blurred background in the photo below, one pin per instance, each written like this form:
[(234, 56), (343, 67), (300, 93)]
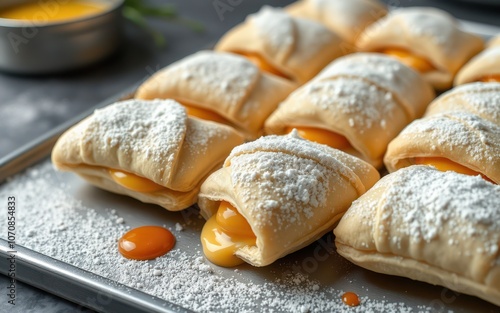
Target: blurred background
[(33, 105)]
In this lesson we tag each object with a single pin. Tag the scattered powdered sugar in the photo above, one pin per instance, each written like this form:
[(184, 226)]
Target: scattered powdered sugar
[(226, 76), (426, 200), (52, 221), (201, 135), (453, 130), (276, 28), (285, 35), (152, 129), (381, 72), (479, 98), (435, 24), (365, 107), (290, 187), (293, 144), (350, 17)]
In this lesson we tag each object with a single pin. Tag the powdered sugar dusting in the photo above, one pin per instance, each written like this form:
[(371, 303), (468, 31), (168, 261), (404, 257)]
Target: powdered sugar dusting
[(380, 71), (276, 28), (444, 198), (301, 148), (227, 76), (284, 34), (151, 128), (457, 129), (53, 222), (482, 99), (201, 134), (290, 187), (365, 107), (434, 24)]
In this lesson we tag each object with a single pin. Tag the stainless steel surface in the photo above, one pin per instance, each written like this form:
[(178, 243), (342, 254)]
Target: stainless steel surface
[(79, 286), (318, 261), (37, 149), (334, 271), (28, 47)]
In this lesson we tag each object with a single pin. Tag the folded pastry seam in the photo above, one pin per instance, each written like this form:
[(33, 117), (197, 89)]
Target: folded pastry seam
[(285, 42), (367, 98), (154, 140), (290, 191), (483, 66), (224, 83), (428, 32), (347, 18), (462, 125), (437, 227)]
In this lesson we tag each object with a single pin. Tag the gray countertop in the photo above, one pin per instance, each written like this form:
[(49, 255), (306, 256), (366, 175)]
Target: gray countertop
[(31, 106)]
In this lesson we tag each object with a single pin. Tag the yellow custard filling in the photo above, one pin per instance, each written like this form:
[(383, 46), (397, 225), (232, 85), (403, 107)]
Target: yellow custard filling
[(54, 11), (444, 164), (322, 136), (420, 64), (134, 182), (490, 78), (264, 65), (204, 114), (224, 233)]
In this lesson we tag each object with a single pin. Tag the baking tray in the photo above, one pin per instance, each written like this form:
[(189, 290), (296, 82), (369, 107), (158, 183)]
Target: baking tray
[(327, 273)]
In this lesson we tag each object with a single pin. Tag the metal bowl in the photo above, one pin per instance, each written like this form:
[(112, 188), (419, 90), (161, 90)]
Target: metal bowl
[(39, 47)]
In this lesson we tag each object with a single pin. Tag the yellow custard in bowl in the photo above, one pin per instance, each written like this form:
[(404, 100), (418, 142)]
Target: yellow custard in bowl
[(53, 11)]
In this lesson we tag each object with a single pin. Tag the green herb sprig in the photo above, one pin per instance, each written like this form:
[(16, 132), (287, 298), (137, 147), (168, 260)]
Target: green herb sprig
[(136, 12)]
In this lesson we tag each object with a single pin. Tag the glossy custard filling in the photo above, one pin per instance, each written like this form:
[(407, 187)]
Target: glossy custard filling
[(322, 136), (146, 243), (490, 78), (55, 11), (134, 182), (224, 233), (204, 114), (444, 164), (418, 63), (264, 65)]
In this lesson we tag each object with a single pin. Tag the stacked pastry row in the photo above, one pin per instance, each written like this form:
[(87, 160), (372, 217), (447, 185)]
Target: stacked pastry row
[(277, 194), (185, 120)]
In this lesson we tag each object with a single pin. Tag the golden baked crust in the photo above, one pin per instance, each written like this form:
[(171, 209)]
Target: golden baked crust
[(227, 84), (297, 47), (366, 97), (346, 18), (484, 64), (438, 227), (462, 125), (152, 139), (291, 192), (427, 32)]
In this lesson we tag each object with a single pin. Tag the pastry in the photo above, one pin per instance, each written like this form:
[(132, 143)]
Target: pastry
[(358, 104), (346, 18), (294, 48), (460, 131), (483, 67), (149, 150), (426, 39), (221, 87), (276, 195), (427, 225), (481, 99)]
